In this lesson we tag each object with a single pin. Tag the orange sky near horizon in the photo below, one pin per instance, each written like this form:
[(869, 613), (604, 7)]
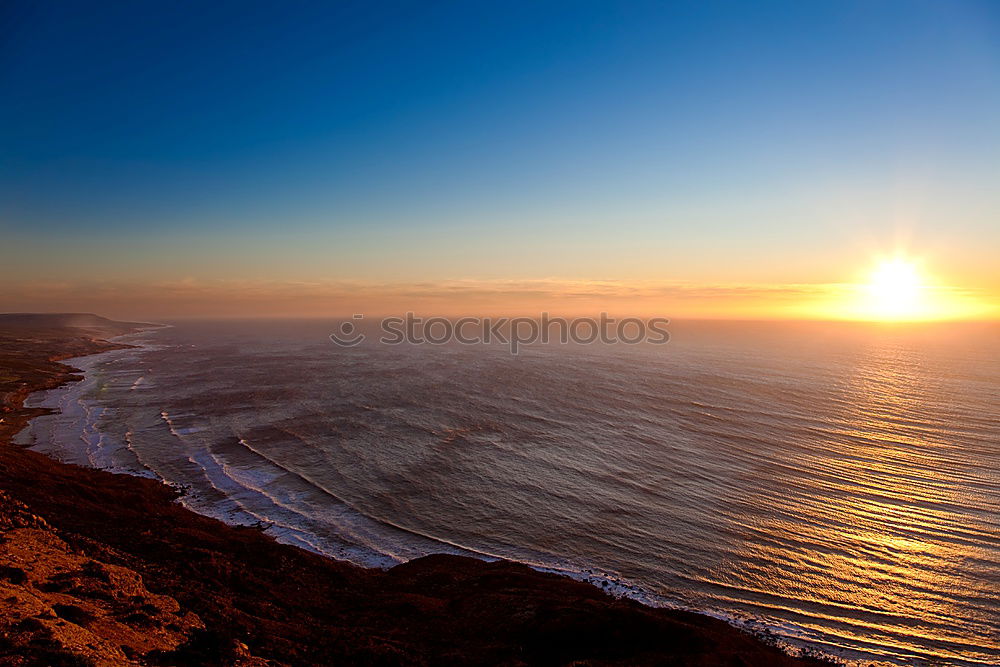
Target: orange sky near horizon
[(524, 275), (678, 300)]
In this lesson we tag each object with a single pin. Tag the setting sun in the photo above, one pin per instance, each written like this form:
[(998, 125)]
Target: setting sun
[(895, 290), (901, 288)]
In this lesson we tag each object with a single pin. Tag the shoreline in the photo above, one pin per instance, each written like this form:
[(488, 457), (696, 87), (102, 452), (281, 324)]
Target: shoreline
[(85, 507), (55, 404), (607, 582)]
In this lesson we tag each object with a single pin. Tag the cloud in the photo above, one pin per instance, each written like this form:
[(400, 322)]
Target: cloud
[(243, 298)]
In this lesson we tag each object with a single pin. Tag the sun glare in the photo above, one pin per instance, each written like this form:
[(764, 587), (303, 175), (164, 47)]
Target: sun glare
[(895, 290), (898, 289)]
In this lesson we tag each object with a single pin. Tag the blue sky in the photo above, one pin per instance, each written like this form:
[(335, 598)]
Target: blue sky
[(583, 140)]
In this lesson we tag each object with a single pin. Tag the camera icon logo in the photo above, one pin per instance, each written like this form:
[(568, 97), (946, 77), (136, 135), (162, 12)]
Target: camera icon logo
[(348, 334)]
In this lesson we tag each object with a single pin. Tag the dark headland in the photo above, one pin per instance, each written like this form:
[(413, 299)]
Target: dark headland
[(105, 569)]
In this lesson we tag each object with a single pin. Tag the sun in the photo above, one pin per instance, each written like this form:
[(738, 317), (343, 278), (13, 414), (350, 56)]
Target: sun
[(895, 290), (898, 289)]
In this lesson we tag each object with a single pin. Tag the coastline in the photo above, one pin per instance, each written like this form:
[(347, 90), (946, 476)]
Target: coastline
[(258, 597), (356, 554)]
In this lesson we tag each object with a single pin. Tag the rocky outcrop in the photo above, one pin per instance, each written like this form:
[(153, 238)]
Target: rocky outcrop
[(55, 603)]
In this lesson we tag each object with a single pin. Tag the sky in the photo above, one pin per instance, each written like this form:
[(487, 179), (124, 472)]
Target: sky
[(688, 159)]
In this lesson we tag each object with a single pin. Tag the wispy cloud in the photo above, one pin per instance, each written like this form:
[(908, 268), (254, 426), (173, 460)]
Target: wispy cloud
[(194, 297)]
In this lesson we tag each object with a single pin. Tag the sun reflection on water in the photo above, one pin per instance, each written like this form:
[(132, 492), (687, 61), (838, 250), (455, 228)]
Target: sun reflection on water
[(884, 531)]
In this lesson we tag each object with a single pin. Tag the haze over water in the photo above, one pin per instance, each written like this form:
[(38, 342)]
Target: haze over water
[(837, 484)]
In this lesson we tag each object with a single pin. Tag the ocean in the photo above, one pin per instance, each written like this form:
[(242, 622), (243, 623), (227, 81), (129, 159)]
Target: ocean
[(836, 485)]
